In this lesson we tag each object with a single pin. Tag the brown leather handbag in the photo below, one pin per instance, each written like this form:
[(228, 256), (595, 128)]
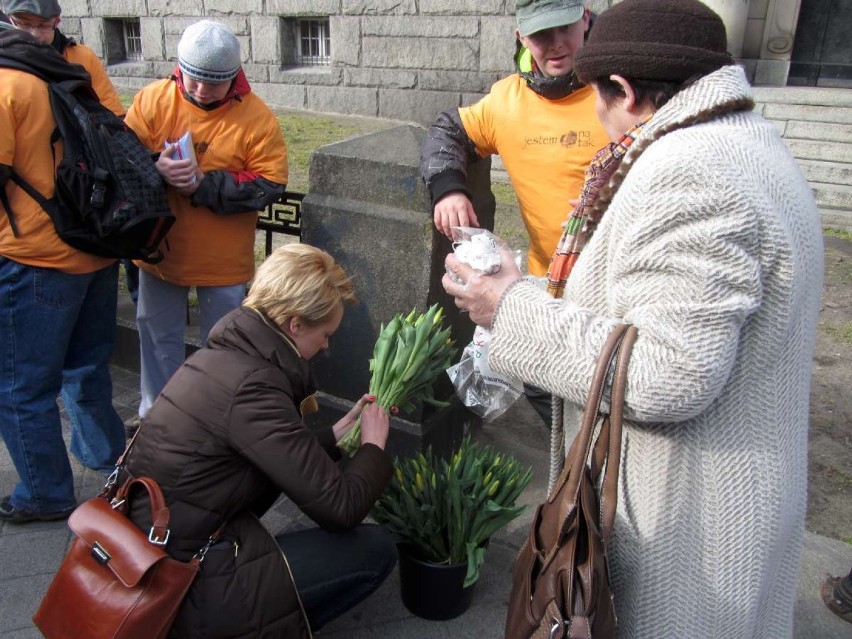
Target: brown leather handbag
[(116, 581), (560, 586)]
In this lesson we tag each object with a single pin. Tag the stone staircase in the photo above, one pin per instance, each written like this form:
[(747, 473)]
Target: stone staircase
[(817, 126)]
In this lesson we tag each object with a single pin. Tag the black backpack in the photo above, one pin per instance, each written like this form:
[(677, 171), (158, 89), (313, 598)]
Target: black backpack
[(110, 199)]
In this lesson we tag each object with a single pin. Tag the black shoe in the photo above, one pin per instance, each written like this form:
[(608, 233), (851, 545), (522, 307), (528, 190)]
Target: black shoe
[(836, 598), (14, 515)]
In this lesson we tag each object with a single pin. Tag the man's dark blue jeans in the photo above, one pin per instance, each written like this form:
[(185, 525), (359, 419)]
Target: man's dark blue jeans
[(56, 336), (335, 571)]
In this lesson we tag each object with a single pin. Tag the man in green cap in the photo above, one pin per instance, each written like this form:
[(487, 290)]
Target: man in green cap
[(541, 121)]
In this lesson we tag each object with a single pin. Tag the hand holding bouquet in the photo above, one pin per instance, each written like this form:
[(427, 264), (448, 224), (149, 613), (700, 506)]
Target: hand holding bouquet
[(409, 354)]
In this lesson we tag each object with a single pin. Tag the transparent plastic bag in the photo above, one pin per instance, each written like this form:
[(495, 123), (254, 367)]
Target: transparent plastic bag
[(483, 391), (486, 393)]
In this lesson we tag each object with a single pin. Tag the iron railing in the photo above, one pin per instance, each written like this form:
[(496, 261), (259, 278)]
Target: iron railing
[(283, 216)]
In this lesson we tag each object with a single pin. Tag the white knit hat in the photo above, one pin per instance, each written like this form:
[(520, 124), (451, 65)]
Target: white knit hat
[(209, 52)]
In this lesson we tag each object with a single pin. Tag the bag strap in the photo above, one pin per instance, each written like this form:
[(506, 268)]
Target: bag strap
[(609, 485), (111, 486), (159, 533), (575, 461), (4, 200)]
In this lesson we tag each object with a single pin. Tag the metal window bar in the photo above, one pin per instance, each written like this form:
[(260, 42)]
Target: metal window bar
[(314, 43), (132, 40)]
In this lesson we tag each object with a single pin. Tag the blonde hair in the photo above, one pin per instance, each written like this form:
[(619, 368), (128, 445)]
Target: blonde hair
[(299, 280)]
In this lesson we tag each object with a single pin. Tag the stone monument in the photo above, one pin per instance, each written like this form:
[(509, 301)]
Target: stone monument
[(367, 206)]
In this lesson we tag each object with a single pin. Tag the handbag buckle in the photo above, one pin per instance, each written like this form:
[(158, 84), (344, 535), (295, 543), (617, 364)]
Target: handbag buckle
[(100, 554), (555, 629), (156, 540)]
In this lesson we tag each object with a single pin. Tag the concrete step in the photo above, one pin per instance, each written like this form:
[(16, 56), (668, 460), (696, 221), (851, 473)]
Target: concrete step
[(823, 151), (821, 131), (804, 96), (826, 172), (836, 218), (833, 196), (807, 113)]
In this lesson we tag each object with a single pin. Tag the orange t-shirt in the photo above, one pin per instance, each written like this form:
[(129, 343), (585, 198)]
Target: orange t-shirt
[(545, 145), (204, 248), (84, 56), (26, 124)]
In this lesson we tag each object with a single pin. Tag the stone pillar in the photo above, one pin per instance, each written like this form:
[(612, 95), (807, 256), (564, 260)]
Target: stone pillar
[(367, 206), (734, 14), (779, 33)]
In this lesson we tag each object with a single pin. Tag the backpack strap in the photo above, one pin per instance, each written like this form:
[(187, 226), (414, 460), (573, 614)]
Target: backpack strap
[(4, 200), (49, 205)]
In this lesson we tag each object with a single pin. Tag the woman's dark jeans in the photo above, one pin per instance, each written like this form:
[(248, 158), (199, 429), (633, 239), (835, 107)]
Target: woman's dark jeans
[(335, 571)]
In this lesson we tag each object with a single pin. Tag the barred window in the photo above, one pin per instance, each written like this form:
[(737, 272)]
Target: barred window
[(313, 42), (123, 40), (132, 40)]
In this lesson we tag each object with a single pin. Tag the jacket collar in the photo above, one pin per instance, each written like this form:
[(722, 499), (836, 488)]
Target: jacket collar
[(62, 41), (248, 331), (546, 86), (714, 95)]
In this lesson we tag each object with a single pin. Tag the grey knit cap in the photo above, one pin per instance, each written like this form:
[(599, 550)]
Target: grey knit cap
[(40, 8), (209, 52)]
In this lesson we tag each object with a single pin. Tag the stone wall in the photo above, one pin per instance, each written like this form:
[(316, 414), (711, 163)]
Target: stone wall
[(404, 60)]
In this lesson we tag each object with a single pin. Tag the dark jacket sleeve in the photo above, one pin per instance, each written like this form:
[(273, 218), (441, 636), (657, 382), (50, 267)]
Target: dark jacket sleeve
[(222, 192), (294, 459), (444, 156)]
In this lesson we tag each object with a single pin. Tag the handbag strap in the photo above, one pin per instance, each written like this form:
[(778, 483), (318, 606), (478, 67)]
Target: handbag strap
[(579, 452), (111, 485), (159, 533), (609, 485)]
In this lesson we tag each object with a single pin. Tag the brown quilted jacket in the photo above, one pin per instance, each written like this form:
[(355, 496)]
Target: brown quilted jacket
[(224, 440)]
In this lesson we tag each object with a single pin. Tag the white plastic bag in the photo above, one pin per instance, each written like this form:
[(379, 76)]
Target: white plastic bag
[(483, 391)]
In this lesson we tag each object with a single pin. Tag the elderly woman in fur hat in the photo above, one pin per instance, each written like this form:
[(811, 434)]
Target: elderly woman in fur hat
[(697, 226)]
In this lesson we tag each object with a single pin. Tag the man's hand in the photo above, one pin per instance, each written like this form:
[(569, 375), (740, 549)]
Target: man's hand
[(183, 175), (454, 209)]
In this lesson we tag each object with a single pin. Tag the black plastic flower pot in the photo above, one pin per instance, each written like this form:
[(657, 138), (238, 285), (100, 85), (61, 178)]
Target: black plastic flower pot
[(433, 591)]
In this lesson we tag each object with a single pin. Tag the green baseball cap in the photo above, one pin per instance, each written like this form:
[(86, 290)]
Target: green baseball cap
[(538, 15)]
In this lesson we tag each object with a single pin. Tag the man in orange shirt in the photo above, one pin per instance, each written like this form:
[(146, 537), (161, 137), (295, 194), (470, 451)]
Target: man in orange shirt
[(57, 313), (540, 120), (41, 18), (239, 167)]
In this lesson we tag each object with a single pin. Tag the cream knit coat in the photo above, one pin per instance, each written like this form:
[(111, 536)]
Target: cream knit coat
[(712, 247)]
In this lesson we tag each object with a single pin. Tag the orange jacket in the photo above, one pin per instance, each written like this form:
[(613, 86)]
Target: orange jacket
[(242, 138), (84, 56)]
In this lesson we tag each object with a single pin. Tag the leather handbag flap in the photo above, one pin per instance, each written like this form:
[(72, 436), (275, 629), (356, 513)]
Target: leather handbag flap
[(114, 540)]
